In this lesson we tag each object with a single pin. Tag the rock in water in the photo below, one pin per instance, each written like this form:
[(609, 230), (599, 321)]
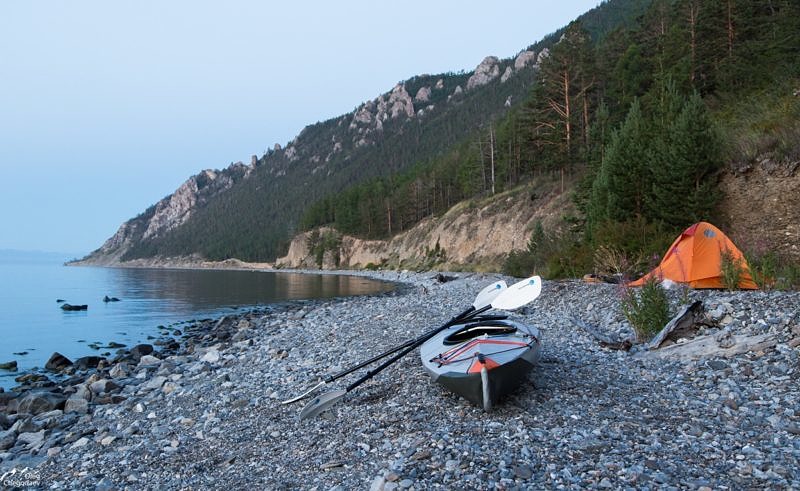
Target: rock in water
[(57, 362), (11, 365), (140, 350), (87, 362), (69, 307)]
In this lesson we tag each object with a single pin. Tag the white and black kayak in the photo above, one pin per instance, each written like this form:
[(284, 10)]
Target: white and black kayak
[(484, 360)]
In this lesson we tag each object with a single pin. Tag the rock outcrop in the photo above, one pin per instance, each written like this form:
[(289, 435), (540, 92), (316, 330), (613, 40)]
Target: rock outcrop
[(488, 70), (524, 59), (507, 219), (423, 94), (169, 213)]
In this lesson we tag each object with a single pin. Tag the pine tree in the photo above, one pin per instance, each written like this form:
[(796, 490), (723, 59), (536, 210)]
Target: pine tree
[(626, 167)]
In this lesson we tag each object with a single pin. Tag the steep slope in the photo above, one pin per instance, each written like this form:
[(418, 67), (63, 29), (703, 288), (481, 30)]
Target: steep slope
[(419, 119), (472, 235)]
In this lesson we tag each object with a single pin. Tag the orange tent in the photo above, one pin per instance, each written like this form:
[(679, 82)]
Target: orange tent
[(695, 259)]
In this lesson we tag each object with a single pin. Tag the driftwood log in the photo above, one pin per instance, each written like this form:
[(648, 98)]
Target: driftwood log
[(683, 323), (605, 340), (708, 346)]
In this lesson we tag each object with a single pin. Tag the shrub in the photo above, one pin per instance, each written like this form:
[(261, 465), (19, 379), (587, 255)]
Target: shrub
[(636, 239), (647, 312), (731, 268), (610, 260), (551, 255)]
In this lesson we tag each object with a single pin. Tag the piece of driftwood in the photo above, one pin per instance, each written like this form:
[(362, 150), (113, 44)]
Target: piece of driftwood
[(605, 340), (682, 323), (707, 346), (443, 278)]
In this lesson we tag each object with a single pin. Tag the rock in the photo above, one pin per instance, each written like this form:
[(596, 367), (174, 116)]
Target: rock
[(81, 442), (140, 350), (107, 440), (211, 356), (524, 59), (31, 438), (87, 362), (423, 94), (717, 364), (120, 370), (377, 484), (76, 405), (31, 378), (57, 362), (506, 75), (523, 472), (102, 385), (7, 440), (70, 307), (485, 72), (110, 299), (149, 361), (725, 339), (155, 382), (169, 387), (41, 402), (9, 365)]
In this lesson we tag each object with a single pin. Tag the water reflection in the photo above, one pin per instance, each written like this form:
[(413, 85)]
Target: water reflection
[(202, 290)]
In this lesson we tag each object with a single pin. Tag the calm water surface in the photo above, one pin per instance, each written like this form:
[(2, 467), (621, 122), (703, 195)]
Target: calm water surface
[(32, 323)]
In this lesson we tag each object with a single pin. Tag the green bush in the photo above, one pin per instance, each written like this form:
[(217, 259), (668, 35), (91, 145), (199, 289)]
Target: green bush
[(551, 255), (647, 312), (731, 268)]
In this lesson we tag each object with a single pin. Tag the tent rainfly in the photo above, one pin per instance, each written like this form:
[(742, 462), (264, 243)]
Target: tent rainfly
[(695, 259)]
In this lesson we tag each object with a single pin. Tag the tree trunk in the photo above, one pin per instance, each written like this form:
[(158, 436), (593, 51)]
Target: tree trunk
[(491, 157), (693, 11)]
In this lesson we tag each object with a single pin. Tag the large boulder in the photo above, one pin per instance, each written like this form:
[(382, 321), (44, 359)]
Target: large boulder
[(76, 405), (87, 362), (140, 350), (103, 385), (7, 440), (41, 402), (58, 362)]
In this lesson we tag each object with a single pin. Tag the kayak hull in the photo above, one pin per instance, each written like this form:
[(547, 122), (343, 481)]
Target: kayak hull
[(485, 368)]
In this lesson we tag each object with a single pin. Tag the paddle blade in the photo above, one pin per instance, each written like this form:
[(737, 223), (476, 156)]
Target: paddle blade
[(321, 403), (304, 394), (488, 294), (518, 294)]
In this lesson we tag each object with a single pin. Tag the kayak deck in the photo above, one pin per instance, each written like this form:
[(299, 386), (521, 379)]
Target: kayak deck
[(482, 362)]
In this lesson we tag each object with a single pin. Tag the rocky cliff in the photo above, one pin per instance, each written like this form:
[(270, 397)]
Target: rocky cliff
[(472, 235), (169, 213)]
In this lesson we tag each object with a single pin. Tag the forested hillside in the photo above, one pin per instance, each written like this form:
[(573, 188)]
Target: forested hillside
[(416, 124), (647, 115)]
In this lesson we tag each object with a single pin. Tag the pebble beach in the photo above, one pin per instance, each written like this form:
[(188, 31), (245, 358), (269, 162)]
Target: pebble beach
[(203, 410)]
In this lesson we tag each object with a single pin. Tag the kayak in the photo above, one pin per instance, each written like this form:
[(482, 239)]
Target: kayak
[(482, 361)]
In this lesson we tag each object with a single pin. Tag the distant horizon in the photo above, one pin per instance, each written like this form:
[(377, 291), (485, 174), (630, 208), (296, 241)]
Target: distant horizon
[(102, 121)]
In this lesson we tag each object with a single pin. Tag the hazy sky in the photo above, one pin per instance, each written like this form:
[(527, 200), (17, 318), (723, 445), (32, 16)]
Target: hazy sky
[(108, 106)]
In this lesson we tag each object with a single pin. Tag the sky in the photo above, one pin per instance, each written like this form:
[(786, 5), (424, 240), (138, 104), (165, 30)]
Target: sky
[(107, 107)]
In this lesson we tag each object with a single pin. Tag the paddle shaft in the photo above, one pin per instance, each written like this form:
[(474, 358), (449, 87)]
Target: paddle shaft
[(460, 317), (466, 315)]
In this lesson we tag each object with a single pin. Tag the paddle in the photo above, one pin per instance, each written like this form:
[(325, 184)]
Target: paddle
[(483, 299), (513, 297)]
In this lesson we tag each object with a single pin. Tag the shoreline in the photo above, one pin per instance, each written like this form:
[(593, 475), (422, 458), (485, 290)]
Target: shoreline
[(212, 415)]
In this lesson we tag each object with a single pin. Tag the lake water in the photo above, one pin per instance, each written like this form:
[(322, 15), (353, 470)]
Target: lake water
[(31, 321)]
